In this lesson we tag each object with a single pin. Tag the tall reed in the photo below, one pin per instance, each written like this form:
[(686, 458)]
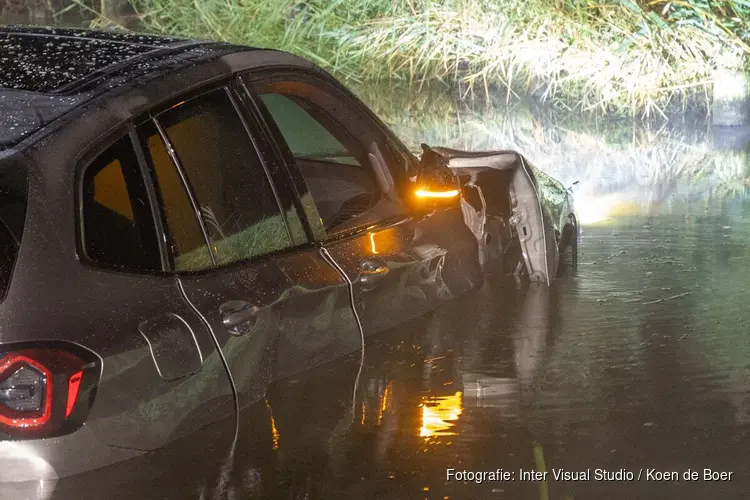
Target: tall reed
[(614, 56)]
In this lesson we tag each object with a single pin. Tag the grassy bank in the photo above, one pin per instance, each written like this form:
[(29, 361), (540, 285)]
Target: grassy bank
[(615, 56)]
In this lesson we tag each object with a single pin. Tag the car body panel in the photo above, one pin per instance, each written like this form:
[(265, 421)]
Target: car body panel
[(303, 316), (317, 323), (102, 309), (173, 346), (534, 225), (555, 199), (48, 460), (428, 260)]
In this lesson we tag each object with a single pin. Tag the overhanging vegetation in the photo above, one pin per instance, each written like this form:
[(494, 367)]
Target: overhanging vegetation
[(622, 56)]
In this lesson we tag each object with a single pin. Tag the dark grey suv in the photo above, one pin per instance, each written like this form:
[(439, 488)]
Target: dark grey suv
[(184, 223)]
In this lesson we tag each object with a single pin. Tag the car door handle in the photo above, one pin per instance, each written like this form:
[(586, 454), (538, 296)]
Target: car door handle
[(238, 316), (372, 273)]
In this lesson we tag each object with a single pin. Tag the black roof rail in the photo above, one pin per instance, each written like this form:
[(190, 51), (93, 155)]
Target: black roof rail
[(30, 34), (112, 36)]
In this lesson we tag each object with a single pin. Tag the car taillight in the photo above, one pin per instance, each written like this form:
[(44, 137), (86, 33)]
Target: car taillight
[(45, 391), (25, 392)]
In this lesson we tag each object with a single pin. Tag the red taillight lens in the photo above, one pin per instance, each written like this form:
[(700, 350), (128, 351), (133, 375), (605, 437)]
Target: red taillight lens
[(45, 391), (73, 385), (25, 392)]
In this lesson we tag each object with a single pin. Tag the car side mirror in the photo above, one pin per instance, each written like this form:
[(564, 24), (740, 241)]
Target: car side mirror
[(435, 184)]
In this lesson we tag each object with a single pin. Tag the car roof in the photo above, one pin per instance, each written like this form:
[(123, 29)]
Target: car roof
[(46, 72)]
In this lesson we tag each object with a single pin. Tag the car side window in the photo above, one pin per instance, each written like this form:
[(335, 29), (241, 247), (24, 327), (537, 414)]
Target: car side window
[(117, 225), (311, 137), (186, 237), (342, 163), (236, 201)]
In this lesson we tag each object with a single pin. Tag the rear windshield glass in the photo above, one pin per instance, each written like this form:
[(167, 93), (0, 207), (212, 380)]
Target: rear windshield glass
[(13, 176)]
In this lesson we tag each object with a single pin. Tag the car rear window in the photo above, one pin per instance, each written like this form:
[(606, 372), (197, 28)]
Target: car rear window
[(117, 229), (13, 177)]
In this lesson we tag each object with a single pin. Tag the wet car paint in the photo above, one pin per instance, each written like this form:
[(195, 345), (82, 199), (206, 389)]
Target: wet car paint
[(26, 112), (135, 407), (136, 410), (427, 260)]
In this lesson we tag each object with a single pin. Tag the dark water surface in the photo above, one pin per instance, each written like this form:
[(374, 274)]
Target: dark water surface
[(638, 360)]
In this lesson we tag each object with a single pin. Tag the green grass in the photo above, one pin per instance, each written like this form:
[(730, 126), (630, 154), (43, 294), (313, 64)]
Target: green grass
[(613, 56), (265, 236)]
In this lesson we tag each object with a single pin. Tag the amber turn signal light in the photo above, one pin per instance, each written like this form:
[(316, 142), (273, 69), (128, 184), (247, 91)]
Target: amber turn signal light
[(427, 193)]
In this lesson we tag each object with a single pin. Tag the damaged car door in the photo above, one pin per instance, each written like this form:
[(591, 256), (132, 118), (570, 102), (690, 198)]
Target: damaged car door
[(511, 214), (351, 177)]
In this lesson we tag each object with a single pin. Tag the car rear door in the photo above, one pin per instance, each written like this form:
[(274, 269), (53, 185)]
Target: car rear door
[(273, 302), (350, 174), (162, 380)]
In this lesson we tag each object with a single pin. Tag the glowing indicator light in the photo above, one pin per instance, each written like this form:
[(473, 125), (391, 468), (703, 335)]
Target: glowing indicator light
[(426, 193)]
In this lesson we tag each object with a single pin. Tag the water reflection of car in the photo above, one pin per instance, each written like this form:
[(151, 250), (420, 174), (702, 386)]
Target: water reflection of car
[(185, 223)]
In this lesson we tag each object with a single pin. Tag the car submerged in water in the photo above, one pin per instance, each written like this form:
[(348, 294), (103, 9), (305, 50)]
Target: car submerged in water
[(186, 222)]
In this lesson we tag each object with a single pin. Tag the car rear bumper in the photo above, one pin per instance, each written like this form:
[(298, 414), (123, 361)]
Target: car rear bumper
[(34, 490), (32, 469)]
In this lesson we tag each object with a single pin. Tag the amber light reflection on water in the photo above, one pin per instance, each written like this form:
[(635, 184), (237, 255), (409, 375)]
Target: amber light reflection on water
[(439, 415)]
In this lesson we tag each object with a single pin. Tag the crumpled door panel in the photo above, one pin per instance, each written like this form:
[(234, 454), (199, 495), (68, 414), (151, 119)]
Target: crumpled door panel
[(505, 194)]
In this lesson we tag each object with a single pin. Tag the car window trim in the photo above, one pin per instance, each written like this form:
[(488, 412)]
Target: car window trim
[(91, 153), (236, 97), (250, 104), (286, 155), (329, 235), (177, 164), (148, 117), (292, 174), (153, 117), (153, 199), (368, 227), (281, 72)]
